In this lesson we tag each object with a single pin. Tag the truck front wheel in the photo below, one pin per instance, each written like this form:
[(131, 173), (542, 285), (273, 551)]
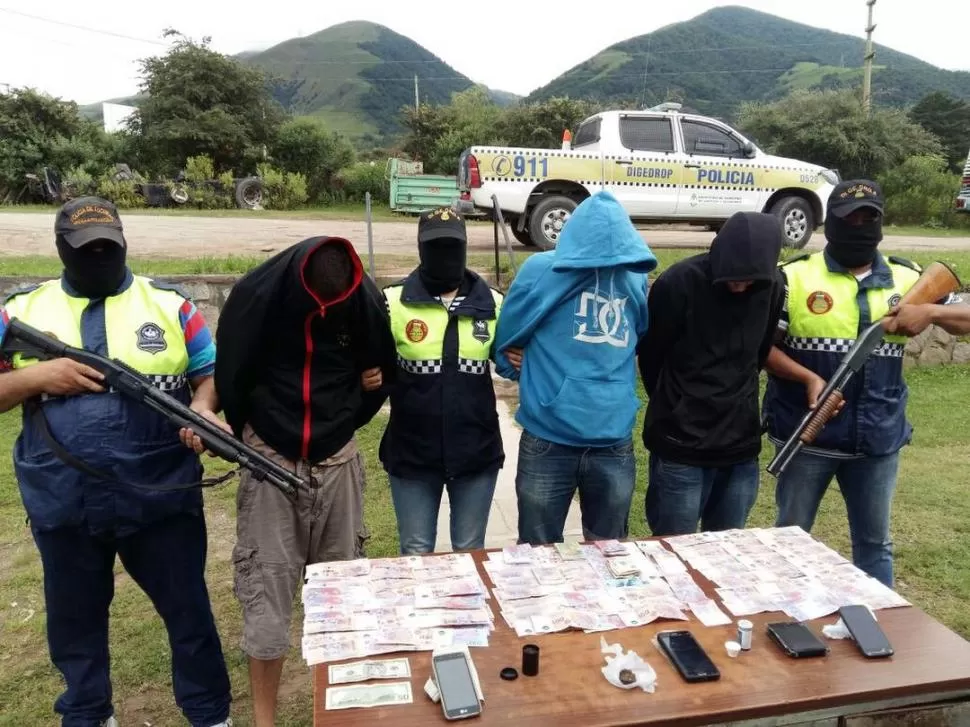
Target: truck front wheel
[(547, 220), (797, 220)]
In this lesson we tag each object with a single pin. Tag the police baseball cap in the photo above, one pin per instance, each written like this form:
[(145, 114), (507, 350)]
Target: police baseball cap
[(441, 222), (87, 219), (854, 194)]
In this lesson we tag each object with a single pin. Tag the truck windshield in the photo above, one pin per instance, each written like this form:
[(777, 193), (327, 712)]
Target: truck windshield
[(588, 132)]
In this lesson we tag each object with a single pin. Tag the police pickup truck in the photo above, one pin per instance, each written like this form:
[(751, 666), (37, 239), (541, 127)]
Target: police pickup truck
[(661, 164)]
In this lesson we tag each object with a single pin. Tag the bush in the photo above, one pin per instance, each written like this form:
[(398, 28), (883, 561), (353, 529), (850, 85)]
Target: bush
[(206, 190), (352, 183), (282, 190), (921, 191), (304, 146), (79, 183), (122, 193)]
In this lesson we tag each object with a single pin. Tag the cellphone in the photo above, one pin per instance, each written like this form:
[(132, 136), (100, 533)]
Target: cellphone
[(688, 656), (452, 674), (866, 632), (796, 639)]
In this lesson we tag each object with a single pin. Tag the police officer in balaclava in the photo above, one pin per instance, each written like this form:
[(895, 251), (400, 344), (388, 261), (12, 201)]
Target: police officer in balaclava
[(853, 225)]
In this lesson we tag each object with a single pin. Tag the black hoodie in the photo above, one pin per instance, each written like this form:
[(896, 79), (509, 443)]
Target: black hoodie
[(701, 357), (289, 363)]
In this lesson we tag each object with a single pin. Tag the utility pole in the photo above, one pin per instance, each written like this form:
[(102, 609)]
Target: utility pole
[(416, 103), (870, 54)]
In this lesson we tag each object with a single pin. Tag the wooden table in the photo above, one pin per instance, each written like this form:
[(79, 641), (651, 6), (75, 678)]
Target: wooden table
[(760, 687)]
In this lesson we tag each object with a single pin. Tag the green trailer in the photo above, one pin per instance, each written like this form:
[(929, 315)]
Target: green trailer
[(413, 191)]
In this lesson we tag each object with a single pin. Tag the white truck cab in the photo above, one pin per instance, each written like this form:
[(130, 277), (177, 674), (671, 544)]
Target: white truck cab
[(963, 196), (661, 164)]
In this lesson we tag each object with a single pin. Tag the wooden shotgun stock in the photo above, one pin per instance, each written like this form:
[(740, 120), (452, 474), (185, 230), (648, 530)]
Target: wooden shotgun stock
[(935, 283)]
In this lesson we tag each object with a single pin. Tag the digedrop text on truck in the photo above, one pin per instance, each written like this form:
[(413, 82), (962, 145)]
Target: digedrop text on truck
[(661, 164)]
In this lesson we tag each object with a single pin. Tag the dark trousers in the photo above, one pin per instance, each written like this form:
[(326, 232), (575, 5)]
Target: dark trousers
[(167, 560)]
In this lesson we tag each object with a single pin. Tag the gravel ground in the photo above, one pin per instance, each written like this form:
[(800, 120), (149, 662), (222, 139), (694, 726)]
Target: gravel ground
[(187, 237)]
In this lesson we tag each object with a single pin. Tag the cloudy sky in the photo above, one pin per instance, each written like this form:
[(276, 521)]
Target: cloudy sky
[(89, 52)]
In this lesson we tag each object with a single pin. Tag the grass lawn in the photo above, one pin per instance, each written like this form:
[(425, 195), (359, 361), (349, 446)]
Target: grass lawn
[(931, 522)]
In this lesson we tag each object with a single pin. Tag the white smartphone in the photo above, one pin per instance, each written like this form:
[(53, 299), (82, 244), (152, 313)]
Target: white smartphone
[(459, 699)]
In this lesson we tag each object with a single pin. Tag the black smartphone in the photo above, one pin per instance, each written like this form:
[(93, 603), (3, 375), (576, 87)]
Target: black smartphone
[(868, 635), (688, 656), (796, 639)]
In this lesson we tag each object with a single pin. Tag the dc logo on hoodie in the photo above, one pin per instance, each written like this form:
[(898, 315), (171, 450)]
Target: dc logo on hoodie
[(601, 320)]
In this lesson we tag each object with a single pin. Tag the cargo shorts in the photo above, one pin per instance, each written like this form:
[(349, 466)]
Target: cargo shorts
[(277, 538)]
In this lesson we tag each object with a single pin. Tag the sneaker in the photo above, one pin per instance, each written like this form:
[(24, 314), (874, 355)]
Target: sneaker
[(227, 723), (110, 722)]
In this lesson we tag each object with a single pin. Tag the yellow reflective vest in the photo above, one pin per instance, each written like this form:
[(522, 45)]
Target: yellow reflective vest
[(140, 326), (443, 417), (826, 309)]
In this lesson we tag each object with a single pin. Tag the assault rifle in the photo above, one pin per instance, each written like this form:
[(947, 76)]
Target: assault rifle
[(28, 341), (936, 282)]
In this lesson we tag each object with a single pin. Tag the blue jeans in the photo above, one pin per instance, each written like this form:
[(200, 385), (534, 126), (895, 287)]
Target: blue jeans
[(167, 560), (548, 476), (416, 505), (680, 495), (867, 487)]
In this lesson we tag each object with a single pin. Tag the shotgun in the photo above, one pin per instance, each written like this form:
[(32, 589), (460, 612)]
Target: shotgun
[(935, 283), (22, 338)]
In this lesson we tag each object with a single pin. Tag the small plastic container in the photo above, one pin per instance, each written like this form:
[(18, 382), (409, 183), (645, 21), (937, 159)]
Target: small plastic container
[(745, 631), (733, 648)]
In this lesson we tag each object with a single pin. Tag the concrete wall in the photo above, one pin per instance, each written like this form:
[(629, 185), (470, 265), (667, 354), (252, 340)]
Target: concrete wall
[(934, 346)]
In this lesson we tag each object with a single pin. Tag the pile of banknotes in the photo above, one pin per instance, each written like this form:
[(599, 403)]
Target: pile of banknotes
[(761, 570), (361, 608)]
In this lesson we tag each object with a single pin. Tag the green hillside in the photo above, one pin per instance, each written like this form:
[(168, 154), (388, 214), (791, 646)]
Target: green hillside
[(357, 76), (727, 55)]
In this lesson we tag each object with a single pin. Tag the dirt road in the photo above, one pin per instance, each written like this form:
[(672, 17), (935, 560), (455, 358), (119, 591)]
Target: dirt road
[(159, 236)]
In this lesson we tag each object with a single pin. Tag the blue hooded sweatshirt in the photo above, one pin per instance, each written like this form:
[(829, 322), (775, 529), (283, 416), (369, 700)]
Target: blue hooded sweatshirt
[(578, 312)]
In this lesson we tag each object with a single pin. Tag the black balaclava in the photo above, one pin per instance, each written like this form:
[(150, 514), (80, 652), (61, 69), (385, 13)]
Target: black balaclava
[(442, 264), (94, 270), (852, 246)]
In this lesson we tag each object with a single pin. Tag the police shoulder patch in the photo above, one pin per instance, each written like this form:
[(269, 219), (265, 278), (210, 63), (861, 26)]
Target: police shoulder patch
[(905, 263)]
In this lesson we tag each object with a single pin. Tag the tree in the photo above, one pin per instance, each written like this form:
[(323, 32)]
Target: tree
[(541, 124), (305, 146), (203, 102), (37, 131), (948, 118), (830, 128)]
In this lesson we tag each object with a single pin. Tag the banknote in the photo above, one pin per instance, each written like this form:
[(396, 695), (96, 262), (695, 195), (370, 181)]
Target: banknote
[(369, 695), (549, 575), (445, 589), (611, 547), (360, 671), (315, 623), (517, 553), (460, 603), (338, 569), (708, 613), (569, 550)]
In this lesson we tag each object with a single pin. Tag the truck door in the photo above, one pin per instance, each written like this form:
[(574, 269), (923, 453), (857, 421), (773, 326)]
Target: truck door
[(718, 179), (644, 173)]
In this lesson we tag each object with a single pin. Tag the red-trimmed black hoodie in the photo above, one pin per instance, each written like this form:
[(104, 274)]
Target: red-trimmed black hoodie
[(290, 364)]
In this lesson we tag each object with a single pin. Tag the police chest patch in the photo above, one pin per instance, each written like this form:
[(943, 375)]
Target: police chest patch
[(820, 302), (894, 300), (480, 331), (151, 338), (416, 330)]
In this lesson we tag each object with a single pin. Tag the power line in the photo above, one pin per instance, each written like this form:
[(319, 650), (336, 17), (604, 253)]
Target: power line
[(82, 27)]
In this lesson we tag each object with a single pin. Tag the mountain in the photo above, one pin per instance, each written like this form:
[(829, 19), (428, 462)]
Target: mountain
[(358, 75), (731, 54)]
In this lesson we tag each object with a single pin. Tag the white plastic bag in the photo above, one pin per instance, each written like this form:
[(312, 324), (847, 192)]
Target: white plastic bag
[(838, 629), (644, 676)]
